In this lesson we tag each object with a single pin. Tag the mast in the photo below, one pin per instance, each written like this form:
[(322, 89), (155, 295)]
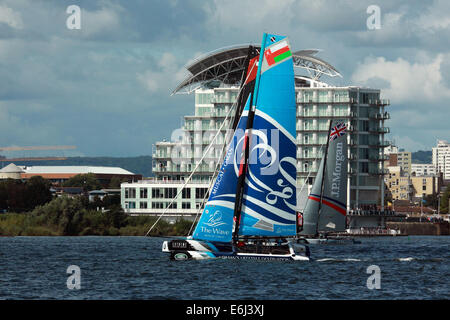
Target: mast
[(323, 178), (246, 146), (244, 91)]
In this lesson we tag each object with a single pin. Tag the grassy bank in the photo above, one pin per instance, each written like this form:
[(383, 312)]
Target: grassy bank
[(68, 217)]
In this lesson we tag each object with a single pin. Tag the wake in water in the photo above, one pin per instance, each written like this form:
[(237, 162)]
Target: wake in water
[(409, 259), (338, 260)]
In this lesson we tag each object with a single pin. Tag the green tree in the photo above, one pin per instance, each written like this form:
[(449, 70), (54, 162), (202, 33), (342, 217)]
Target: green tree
[(37, 192), (86, 181), (115, 182), (3, 196)]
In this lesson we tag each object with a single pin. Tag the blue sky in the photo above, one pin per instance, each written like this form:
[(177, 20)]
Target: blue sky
[(106, 87)]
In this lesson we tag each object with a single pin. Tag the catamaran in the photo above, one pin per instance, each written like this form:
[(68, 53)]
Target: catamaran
[(325, 212), (251, 209)]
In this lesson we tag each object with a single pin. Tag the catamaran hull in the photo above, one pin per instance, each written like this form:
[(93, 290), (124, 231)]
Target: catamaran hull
[(199, 250)]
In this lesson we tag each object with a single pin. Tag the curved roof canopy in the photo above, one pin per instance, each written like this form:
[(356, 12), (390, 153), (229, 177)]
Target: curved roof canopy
[(227, 64)]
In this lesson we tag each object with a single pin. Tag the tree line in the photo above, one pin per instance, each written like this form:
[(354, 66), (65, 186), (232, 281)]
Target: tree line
[(33, 210)]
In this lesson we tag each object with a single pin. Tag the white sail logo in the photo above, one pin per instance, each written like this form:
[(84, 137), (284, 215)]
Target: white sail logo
[(336, 185), (215, 219), (262, 149)]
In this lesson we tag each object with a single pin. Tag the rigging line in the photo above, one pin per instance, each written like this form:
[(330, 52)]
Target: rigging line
[(216, 171), (204, 197), (198, 164), (323, 177), (309, 173)]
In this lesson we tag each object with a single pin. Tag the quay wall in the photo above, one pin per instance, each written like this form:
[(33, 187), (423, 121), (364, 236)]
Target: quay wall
[(421, 228)]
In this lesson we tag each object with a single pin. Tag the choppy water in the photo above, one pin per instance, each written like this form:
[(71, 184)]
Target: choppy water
[(135, 268)]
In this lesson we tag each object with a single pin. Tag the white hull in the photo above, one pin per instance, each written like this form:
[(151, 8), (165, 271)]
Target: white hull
[(201, 250)]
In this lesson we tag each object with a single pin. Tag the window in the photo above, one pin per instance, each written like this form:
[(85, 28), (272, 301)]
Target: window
[(130, 193), (143, 193), (185, 205), (142, 205), (186, 193), (200, 193), (130, 205), (157, 193), (424, 188), (170, 193), (157, 205), (364, 167)]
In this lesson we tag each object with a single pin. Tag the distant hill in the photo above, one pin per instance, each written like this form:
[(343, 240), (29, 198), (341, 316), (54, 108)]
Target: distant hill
[(138, 165), (143, 164), (421, 157)]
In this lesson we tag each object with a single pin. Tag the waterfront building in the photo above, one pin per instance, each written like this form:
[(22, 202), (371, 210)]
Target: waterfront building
[(154, 196), (215, 79), (441, 158)]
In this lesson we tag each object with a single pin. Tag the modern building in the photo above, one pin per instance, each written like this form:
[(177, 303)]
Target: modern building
[(154, 196), (215, 79), (423, 169), (402, 159), (441, 158), (59, 174)]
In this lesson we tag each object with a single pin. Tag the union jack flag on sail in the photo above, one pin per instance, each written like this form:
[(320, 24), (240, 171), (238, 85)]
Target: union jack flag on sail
[(338, 131)]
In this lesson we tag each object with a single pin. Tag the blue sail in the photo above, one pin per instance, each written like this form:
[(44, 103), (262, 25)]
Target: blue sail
[(269, 205), (216, 222)]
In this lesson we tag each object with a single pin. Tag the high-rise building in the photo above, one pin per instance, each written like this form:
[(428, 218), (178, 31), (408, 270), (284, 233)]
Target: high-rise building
[(441, 158), (215, 82), (402, 159)]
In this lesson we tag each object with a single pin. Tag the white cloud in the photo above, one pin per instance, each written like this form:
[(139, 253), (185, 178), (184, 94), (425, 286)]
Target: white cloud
[(166, 77), (436, 16), (407, 82), (100, 21), (10, 17), (409, 144)]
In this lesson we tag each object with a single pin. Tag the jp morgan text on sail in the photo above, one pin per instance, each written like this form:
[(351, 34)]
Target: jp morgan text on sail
[(336, 185)]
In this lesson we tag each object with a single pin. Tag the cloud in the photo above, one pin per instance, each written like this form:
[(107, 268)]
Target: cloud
[(405, 81), (115, 75), (408, 143), (10, 18), (166, 75)]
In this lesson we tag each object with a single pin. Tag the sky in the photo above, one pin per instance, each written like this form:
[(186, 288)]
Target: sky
[(106, 87)]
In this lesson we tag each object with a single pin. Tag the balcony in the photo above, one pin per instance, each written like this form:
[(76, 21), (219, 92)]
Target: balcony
[(379, 102), (379, 171), (382, 144), (379, 158), (311, 129), (380, 116), (383, 130)]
